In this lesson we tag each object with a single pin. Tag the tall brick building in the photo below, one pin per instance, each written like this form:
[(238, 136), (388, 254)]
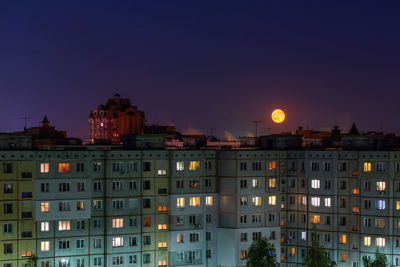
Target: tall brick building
[(114, 119)]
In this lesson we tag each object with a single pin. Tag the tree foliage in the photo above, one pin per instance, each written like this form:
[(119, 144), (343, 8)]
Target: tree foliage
[(316, 256), (261, 253), (379, 261), (31, 262)]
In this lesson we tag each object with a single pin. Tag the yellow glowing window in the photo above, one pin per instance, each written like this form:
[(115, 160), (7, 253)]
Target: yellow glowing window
[(397, 205), (45, 246), (80, 205), (356, 191), (256, 201), (26, 253), (356, 209), (209, 200), (162, 227), (343, 239), (117, 223), (282, 258), (44, 167), (162, 244), (179, 238), (162, 208), (272, 165), (194, 201), (194, 165), (292, 251), (380, 186), (380, 223), (272, 183), (315, 219), (162, 263), (367, 166), (180, 202), (243, 254), (63, 167), (367, 241), (272, 200), (44, 207)]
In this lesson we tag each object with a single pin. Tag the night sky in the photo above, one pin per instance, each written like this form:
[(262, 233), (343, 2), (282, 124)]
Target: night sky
[(202, 64)]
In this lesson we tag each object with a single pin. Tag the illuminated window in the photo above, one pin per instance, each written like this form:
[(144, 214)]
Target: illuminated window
[(180, 202), (303, 235), (44, 207), (44, 167), (64, 225), (304, 200), (44, 226), (194, 165), (63, 167), (162, 227), (315, 201), (272, 165), (292, 251), (367, 166), (272, 183), (256, 201), (343, 239), (27, 253), (272, 200), (180, 166), (380, 186), (162, 208), (97, 204), (162, 244), (146, 221), (117, 223), (315, 219), (162, 172), (397, 205), (355, 173), (327, 202), (380, 242), (243, 254), (367, 241), (117, 242), (343, 257), (356, 209), (256, 183), (194, 201), (44, 245), (179, 238), (162, 263), (380, 204), (80, 205), (315, 184), (380, 223), (356, 191), (209, 200)]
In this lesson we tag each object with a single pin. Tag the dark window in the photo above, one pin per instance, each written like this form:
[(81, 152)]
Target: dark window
[(8, 188), (8, 248), (7, 168), (146, 166), (146, 203), (146, 185), (8, 208), (26, 175)]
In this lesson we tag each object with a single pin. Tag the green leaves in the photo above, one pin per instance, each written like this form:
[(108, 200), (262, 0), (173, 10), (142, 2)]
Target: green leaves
[(261, 254)]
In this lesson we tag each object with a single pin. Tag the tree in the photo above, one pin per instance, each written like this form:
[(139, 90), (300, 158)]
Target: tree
[(261, 253), (316, 256), (380, 260), (31, 262)]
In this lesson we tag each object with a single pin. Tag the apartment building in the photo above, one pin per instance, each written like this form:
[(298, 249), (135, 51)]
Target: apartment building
[(196, 207)]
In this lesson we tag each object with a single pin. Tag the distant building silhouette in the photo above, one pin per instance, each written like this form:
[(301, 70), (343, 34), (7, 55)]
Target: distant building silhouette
[(116, 118)]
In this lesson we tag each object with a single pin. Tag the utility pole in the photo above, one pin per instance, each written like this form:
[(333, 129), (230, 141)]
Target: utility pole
[(25, 118), (256, 124)]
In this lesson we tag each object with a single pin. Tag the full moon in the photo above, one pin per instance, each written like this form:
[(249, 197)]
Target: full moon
[(278, 116)]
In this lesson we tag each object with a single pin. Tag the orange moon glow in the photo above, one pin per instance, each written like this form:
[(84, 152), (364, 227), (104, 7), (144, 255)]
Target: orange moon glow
[(278, 116)]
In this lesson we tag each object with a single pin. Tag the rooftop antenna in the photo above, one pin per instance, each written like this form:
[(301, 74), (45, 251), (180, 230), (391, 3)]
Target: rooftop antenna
[(26, 118), (256, 124)]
